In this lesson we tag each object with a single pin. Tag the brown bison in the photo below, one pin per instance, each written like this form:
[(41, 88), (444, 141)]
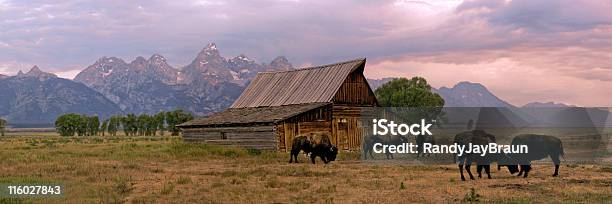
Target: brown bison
[(478, 137), (368, 144), (322, 147), (300, 143), (317, 145), (538, 147)]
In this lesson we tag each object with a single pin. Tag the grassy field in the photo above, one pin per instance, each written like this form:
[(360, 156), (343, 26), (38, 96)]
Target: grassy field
[(165, 170)]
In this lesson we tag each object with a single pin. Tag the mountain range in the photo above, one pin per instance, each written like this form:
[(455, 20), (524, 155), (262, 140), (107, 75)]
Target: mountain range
[(111, 85), (37, 97), (208, 84)]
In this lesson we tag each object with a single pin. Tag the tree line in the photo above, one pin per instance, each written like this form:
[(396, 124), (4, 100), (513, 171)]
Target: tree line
[(132, 125)]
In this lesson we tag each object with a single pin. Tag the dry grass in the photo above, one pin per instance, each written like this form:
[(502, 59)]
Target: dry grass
[(165, 170)]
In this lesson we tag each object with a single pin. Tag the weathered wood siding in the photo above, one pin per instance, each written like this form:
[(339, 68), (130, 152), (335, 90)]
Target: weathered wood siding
[(355, 91), (316, 120), (287, 131), (255, 137), (347, 127)]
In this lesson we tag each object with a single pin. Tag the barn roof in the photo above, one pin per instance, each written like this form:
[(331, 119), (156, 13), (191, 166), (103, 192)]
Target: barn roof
[(271, 114), (307, 85)]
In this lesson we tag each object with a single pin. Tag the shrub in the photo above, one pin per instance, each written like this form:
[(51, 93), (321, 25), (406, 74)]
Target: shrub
[(471, 196)]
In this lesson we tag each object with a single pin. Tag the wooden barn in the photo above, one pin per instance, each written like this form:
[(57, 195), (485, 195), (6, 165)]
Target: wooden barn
[(278, 106)]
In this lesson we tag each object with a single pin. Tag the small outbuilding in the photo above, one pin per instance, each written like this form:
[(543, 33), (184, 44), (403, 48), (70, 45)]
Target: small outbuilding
[(278, 106)]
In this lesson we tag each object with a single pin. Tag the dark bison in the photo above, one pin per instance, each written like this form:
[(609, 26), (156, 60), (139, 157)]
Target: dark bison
[(322, 147), (393, 140), (368, 144), (370, 140), (421, 140), (538, 147), (317, 145), (300, 143), (477, 137)]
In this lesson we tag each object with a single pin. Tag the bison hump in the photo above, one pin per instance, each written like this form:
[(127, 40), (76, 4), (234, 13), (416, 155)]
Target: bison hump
[(319, 138)]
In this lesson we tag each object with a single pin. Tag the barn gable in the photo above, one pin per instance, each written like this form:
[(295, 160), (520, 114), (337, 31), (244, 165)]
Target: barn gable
[(355, 90), (307, 85)]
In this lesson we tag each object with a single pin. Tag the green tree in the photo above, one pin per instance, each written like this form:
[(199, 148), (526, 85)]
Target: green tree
[(415, 92), (93, 125), (404, 92), (67, 124), (151, 126), (160, 119), (82, 122), (104, 127), (113, 125), (146, 125), (175, 118), (130, 124), (3, 125)]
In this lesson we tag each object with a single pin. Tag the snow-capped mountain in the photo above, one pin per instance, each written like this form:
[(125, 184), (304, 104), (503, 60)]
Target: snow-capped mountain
[(211, 66), (209, 83)]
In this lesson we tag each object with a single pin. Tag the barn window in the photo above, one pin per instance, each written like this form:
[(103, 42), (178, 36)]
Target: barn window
[(223, 136)]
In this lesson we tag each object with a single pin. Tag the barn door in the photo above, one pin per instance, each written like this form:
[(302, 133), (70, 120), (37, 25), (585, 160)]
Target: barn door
[(291, 131), (341, 129)]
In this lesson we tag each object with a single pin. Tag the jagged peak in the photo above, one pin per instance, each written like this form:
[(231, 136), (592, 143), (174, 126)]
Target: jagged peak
[(139, 63), (209, 50), (281, 62), (157, 58), (138, 59), (242, 57), (109, 60), (280, 58), (20, 73), (211, 46), (36, 72)]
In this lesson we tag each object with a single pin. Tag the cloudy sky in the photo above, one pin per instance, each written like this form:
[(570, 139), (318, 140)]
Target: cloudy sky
[(522, 50)]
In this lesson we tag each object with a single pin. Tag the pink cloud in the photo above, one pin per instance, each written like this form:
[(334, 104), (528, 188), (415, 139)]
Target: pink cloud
[(519, 75)]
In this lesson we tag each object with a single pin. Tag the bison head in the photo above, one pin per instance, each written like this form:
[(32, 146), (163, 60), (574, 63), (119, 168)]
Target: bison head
[(512, 168), (505, 160), (333, 152)]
